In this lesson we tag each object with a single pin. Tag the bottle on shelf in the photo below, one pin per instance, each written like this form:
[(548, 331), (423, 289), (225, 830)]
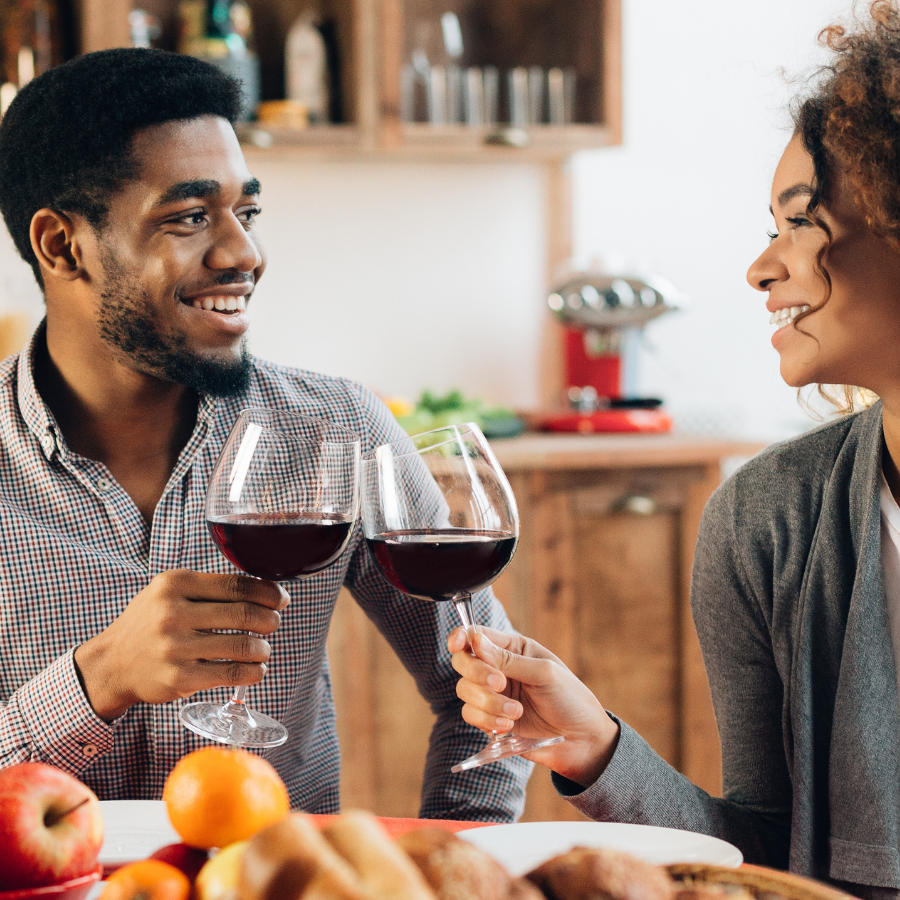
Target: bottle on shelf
[(29, 43), (221, 32), (306, 76)]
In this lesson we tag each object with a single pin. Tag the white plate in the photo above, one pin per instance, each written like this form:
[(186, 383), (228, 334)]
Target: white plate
[(133, 829), (525, 845)]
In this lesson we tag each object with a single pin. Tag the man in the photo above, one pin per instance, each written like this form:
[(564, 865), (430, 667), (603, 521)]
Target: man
[(123, 185)]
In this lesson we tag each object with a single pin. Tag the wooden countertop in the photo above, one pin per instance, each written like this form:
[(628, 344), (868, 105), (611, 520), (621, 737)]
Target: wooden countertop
[(555, 452)]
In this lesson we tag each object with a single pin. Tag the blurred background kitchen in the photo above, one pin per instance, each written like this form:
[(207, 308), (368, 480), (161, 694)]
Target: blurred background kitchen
[(415, 261), (496, 201)]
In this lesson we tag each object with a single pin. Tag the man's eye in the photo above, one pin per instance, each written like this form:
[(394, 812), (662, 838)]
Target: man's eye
[(191, 218), (248, 215)]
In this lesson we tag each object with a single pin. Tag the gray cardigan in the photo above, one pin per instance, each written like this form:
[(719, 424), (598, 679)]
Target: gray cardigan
[(789, 604)]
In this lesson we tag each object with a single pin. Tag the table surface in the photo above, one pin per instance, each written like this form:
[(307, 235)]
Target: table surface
[(587, 451)]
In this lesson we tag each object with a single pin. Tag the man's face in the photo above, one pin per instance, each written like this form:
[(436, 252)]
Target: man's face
[(179, 258)]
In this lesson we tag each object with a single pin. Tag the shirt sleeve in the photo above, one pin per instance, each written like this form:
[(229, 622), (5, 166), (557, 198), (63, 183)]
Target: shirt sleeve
[(50, 720), (418, 633), (639, 786)]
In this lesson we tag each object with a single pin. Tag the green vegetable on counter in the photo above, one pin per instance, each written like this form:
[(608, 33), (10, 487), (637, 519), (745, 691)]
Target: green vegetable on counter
[(434, 411)]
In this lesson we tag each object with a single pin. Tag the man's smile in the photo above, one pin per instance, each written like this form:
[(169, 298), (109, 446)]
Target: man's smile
[(220, 303)]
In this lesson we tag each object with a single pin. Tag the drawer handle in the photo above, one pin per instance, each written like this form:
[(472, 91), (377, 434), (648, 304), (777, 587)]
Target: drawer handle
[(636, 504)]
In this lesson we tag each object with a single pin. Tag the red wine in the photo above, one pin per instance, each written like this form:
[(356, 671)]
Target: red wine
[(281, 546), (442, 563)]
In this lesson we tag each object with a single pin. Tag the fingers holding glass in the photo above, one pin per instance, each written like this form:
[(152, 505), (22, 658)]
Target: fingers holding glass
[(280, 506)]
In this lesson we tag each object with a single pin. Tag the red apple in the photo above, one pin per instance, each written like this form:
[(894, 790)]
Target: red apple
[(189, 860), (51, 827)]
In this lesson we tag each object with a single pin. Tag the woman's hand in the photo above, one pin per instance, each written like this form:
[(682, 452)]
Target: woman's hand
[(513, 681)]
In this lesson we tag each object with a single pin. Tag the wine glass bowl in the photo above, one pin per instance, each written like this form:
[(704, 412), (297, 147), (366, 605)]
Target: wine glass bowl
[(280, 505), (440, 519)]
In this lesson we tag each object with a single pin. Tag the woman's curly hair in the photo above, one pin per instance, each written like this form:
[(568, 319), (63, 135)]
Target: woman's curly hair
[(851, 124)]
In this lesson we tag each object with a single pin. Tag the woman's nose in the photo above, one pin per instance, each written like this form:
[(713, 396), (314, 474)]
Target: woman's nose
[(767, 268)]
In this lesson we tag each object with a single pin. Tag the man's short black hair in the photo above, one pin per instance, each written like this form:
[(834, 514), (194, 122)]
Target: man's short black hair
[(65, 141)]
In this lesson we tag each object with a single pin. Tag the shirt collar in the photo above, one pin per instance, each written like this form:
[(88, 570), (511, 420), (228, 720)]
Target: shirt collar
[(40, 420), (34, 411)]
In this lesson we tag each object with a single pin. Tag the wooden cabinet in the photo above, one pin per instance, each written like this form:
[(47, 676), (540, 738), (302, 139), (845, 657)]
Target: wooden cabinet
[(376, 39), (601, 576)]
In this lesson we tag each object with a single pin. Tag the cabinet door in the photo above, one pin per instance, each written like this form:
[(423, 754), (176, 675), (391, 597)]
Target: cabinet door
[(602, 578)]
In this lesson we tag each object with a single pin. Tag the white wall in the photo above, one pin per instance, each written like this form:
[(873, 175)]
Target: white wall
[(688, 193), (414, 276)]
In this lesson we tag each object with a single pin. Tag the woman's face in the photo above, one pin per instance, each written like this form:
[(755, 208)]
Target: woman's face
[(855, 337)]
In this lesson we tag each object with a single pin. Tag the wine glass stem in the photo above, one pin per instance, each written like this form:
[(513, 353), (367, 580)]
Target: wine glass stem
[(463, 605), (239, 694)]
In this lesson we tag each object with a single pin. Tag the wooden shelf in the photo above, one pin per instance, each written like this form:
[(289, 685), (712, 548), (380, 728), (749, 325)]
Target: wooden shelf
[(375, 36)]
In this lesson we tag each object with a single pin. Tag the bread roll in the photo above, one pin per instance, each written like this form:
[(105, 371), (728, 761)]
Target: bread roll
[(458, 870), (384, 869), (282, 861), (328, 885), (714, 892), (602, 874)]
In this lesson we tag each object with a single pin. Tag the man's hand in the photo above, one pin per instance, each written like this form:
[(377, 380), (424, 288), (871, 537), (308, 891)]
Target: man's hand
[(164, 644), (515, 682)]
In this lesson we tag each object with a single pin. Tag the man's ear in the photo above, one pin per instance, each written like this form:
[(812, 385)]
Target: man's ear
[(56, 245)]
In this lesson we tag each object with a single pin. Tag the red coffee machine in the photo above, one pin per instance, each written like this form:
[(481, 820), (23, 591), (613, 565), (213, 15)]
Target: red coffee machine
[(603, 317)]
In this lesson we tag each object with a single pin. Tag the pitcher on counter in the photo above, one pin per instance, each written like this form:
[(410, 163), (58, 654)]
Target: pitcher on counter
[(796, 581), (124, 187)]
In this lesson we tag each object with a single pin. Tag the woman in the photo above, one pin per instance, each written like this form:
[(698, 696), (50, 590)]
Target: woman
[(796, 582)]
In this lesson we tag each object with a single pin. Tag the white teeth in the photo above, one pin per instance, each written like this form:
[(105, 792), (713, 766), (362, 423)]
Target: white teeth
[(221, 303), (786, 315)]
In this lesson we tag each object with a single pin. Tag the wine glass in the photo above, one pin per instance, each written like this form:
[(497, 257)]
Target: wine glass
[(441, 521), (280, 505)]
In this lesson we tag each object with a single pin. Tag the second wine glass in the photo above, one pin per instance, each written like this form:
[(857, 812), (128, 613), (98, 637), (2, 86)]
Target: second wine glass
[(280, 505), (440, 518)]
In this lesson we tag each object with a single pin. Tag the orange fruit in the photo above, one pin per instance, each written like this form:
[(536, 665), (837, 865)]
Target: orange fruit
[(216, 796), (147, 879)]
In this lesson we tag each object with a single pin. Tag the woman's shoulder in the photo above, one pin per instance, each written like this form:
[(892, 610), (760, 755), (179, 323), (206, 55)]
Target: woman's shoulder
[(791, 476)]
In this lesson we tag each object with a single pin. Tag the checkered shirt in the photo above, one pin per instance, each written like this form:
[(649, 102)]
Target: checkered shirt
[(75, 550)]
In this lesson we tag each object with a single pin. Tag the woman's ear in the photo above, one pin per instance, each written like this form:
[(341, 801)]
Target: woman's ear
[(56, 246)]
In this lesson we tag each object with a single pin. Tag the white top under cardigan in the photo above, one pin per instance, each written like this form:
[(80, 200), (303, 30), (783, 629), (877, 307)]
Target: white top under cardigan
[(890, 562)]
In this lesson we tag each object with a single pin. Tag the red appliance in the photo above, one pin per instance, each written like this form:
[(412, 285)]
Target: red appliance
[(603, 317)]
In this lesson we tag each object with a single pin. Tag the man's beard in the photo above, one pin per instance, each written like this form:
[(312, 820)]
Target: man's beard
[(127, 325)]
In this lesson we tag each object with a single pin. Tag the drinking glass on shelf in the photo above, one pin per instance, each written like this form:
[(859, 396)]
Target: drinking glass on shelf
[(280, 505), (440, 519)]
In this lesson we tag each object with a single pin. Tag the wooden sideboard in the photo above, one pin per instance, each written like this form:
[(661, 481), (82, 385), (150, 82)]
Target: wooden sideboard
[(601, 577)]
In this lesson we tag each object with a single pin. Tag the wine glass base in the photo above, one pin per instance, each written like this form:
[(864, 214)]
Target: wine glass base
[(244, 728), (504, 746)]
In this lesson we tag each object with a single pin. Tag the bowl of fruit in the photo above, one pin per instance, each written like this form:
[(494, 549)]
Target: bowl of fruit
[(73, 889)]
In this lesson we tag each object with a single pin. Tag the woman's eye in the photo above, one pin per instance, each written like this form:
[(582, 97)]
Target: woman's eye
[(798, 221)]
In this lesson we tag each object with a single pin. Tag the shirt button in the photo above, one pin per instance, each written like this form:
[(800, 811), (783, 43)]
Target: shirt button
[(47, 443), (103, 484), (90, 750)]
